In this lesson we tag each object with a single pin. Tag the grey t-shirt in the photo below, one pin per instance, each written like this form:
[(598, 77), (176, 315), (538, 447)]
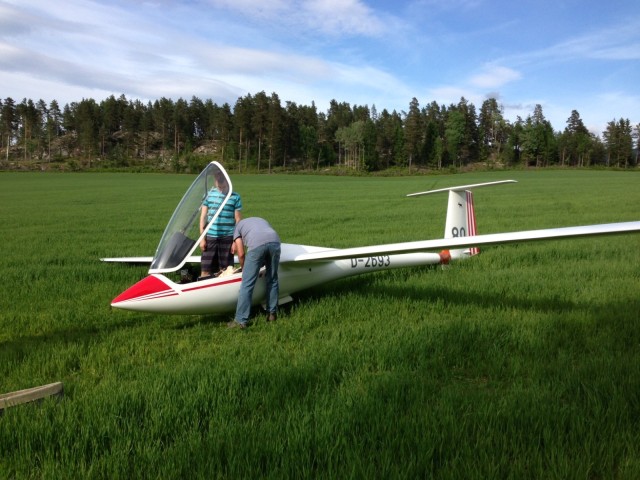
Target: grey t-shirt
[(255, 231)]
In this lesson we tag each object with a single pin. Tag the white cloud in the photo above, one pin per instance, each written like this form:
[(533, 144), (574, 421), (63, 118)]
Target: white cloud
[(494, 76), (613, 43), (617, 52), (332, 17), (343, 17), (254, 8)]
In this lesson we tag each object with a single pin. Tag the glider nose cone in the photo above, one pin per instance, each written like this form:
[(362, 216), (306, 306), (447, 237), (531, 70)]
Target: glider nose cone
[(148, 288)]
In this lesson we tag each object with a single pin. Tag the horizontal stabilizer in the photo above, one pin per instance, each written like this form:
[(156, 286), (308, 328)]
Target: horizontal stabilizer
[(472, 241), (462, 188)]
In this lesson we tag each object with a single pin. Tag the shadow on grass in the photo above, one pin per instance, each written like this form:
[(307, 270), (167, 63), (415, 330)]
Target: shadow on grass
[(543, 302), (19, 347), (193, 321), (369, 287), (258, 315)]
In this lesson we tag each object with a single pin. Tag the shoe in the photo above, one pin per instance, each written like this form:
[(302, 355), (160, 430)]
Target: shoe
[(234, 324), (272, 317)]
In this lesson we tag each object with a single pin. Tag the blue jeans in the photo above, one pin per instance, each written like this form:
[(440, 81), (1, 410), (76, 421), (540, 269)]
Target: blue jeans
[(268, 255)]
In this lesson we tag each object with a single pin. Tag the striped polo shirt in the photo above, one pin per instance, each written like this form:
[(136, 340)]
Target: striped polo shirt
[(226, 221)]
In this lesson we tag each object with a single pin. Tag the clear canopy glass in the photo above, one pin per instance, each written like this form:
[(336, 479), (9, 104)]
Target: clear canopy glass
[(182, 235)]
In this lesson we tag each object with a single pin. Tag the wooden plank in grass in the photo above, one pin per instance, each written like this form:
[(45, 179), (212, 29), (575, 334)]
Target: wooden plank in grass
[(30, 394)]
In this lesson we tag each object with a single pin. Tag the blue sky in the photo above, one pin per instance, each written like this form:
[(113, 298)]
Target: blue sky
[(565, 55)]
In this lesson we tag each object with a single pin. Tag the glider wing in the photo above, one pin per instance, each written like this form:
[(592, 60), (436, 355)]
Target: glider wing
[(471, 241)]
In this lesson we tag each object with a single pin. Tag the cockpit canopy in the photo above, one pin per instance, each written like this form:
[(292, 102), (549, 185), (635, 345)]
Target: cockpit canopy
[(182, 234)]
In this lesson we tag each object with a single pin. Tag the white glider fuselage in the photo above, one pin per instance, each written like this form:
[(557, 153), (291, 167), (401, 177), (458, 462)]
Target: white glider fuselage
[(158, 294)]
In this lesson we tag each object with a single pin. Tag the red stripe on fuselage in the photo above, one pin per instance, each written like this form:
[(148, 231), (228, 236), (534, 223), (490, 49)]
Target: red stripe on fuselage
[(153, 287), (232, 280)]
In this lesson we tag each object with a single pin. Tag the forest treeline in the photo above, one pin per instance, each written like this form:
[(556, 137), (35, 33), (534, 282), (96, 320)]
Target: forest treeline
[(261, 133)]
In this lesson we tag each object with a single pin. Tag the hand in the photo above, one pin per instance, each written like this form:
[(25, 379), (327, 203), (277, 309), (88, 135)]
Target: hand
[(203, 244)]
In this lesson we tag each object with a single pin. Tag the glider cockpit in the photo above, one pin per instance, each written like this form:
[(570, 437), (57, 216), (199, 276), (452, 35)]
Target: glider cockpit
[(182, 234)]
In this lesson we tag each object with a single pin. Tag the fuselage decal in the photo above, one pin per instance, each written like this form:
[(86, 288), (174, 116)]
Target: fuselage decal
[(200, 287)]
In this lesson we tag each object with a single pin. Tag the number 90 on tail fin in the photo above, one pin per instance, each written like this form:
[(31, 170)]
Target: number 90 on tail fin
[(461, 217)]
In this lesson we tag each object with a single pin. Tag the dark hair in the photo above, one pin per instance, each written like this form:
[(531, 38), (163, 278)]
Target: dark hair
[(221, 182)]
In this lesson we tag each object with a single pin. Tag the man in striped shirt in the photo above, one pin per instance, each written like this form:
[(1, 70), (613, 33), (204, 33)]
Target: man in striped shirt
[(216, 245)]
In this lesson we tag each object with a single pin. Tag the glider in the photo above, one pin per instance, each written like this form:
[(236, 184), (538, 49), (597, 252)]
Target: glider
[(303, 266)]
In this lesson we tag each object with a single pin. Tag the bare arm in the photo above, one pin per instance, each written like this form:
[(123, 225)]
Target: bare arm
[(237, 248)]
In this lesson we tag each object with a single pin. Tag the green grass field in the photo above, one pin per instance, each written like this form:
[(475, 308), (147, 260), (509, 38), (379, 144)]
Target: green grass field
[(523, 362)]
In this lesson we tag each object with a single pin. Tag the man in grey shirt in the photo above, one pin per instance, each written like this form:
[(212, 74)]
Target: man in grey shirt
[(262, 245)]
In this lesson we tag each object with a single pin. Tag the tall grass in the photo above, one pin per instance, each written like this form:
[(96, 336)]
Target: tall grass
[(523, 362)]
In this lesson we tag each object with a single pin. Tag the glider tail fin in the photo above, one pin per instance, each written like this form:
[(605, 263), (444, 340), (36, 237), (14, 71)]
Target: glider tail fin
[(461, 221), (461, 216)]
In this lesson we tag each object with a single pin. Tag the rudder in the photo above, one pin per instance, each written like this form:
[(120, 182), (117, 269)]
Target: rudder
[(461, 220), (461, 216)]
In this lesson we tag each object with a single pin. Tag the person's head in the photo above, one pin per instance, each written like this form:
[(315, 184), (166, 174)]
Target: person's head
[(221, 182)]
